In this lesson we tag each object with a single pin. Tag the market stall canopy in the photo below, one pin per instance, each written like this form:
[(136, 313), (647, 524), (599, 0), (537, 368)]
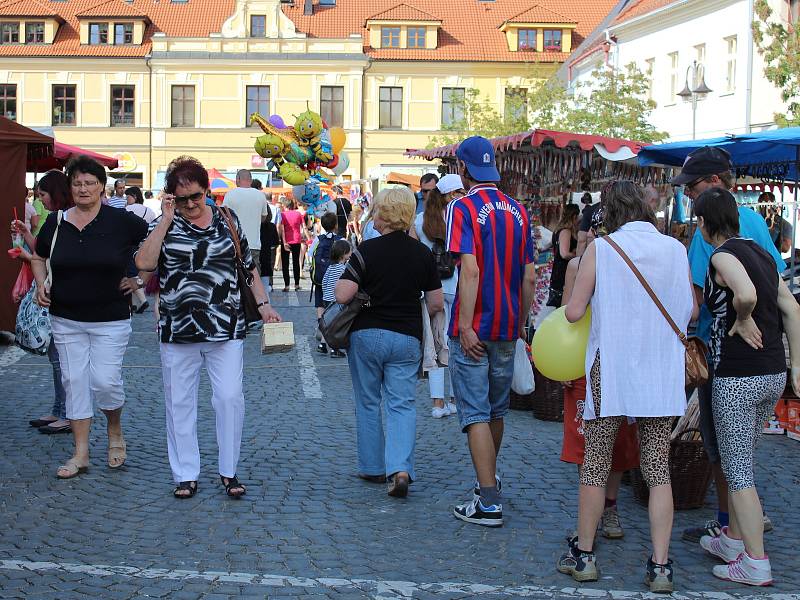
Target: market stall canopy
[(62, 153), (404, 179), (561, 139), (768, 154), (40, 146)]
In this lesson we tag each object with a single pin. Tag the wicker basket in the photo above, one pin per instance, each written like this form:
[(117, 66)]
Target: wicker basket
[(548, 399), (689, 470), (519, 402)]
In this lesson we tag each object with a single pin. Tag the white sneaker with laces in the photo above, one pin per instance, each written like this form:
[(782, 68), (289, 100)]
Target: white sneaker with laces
[(437, 412), (747, 570), (722, 546)]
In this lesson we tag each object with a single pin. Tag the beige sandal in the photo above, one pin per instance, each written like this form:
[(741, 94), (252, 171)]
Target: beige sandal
[(71, 469), (117, 455)]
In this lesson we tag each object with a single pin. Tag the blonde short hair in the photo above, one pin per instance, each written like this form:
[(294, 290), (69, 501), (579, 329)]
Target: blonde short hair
[(396, 207)]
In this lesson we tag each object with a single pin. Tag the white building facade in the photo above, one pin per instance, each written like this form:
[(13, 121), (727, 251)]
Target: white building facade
[(665, 39)]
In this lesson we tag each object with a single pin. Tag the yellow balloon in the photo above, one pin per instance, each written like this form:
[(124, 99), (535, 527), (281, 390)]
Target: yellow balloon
[(338, 139), (559, 347)]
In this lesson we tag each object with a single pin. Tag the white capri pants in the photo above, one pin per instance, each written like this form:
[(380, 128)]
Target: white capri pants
[(90, 355), (181, 365), (436, 376)]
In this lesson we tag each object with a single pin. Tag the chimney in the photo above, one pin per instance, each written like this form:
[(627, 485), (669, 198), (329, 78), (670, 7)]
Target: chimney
[(308, 7)]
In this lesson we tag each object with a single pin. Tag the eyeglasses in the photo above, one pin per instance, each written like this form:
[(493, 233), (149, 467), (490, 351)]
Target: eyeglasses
[(196, 197), (84, 184)]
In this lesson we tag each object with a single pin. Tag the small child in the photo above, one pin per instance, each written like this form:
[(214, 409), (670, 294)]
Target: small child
[(340, 254)]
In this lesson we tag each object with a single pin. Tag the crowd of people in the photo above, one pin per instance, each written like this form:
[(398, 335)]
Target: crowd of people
[(450, 276)]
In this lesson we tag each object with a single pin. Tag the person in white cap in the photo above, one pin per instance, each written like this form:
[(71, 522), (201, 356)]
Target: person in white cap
[(430, 228)]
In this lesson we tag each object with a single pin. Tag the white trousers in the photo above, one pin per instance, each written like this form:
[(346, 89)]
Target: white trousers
[(181, 364), (90, 355)]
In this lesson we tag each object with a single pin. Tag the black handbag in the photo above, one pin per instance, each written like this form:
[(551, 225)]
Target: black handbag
[(244, 277), (336, 321)]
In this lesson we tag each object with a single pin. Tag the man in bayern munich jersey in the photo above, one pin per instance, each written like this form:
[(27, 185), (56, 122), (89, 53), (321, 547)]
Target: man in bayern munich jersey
[(491, 234)]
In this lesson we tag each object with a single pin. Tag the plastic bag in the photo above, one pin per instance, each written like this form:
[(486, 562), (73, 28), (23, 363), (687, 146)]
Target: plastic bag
[(522, 382), (23, 284)]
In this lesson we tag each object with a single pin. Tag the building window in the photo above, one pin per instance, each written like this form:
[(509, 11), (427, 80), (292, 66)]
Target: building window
[(122, 105), (182, 106), (34, 32), (516, 105), (452, 106), (674, 76), (123, 33), (9, 33), (527, 39), (64, 105), (649, 66), (258, 26), (257, 102), (416, 37), (331, 105), (552, 40), (98, 33), (390, 37), (8, 101), (391, 108), (730, 67)]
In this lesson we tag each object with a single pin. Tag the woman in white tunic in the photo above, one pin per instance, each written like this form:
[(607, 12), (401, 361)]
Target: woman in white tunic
[(642, 368)]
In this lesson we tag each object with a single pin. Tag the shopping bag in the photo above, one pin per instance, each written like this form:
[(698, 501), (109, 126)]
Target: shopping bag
[(32, 332), (23, 284), (522, 382)]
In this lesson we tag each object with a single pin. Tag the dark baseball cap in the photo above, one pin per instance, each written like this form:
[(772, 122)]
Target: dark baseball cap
[(478, 154), (703, 162)]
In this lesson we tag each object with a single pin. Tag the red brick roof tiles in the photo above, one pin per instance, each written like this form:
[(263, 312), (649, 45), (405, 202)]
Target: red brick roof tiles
[(403, 12)]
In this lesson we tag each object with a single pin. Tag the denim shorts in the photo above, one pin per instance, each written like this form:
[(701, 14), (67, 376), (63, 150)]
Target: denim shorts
[(482, 387)]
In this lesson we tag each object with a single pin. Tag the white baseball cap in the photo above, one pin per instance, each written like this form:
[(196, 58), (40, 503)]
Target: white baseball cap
[(449, 183)]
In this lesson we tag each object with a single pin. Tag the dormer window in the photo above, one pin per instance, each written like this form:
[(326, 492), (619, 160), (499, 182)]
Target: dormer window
[(9, 33), (527, 39), (34, 32), (390, 37), (416, 37), (98, 33)]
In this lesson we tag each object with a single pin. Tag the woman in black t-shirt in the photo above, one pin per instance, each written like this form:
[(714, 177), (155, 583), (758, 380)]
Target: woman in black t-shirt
[(89, 308), (565, 242), (386, 338), (751, 308)]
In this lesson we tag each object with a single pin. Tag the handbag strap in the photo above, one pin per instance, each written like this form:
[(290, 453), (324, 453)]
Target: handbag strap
[(646, 287), (237, 247)]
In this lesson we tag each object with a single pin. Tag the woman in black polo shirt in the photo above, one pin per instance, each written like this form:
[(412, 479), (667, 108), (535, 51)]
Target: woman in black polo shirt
[(751, 308), (89, 309)]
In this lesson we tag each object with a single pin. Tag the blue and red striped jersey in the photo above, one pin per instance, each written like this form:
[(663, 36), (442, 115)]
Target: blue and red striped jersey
[(496, 230)]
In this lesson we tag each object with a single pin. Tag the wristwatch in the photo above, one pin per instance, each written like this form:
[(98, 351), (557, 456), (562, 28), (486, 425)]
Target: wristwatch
[(139, 281)]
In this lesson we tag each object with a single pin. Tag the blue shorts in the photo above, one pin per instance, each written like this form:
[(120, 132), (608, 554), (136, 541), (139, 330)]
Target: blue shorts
[(482, 387)]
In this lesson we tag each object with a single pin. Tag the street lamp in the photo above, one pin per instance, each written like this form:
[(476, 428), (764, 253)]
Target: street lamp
[(693, 94)]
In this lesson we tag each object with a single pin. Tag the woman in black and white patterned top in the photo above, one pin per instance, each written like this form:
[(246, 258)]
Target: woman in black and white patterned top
[(201, 321)]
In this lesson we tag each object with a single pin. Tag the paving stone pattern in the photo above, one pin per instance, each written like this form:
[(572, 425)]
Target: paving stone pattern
[(305, 513)]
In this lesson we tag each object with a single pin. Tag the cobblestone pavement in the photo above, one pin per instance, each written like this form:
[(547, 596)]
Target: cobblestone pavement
[(308, 527)]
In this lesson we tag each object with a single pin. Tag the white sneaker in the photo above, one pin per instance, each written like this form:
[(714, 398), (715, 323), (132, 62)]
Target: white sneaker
[(747, 570), (451, 407), (438, 412), (722, 546)]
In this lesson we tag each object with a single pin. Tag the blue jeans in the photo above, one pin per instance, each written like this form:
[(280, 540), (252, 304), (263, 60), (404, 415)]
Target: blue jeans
[(482, 387), (384, 366), (59, 396)]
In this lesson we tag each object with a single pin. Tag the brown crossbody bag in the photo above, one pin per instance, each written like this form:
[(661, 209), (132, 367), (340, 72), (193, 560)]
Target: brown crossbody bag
[(696, 350)]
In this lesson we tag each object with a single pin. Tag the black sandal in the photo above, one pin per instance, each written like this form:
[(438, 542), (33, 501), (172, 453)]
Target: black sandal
[(184, 486), (233, 483)]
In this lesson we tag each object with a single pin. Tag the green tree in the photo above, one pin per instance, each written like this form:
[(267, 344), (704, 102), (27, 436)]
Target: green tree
[(779, 44)]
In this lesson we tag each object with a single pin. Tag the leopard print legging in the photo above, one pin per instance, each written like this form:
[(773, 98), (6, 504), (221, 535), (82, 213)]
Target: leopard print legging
[(601, 433)]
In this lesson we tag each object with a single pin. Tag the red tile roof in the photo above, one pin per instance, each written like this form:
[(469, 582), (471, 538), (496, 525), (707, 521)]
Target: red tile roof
[(637, 8), (26, 8), (111, 8), (403, 12), (539, 14), (469, 31)]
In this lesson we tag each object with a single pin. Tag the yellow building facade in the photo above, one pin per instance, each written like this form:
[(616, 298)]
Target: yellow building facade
[(179, 94)]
